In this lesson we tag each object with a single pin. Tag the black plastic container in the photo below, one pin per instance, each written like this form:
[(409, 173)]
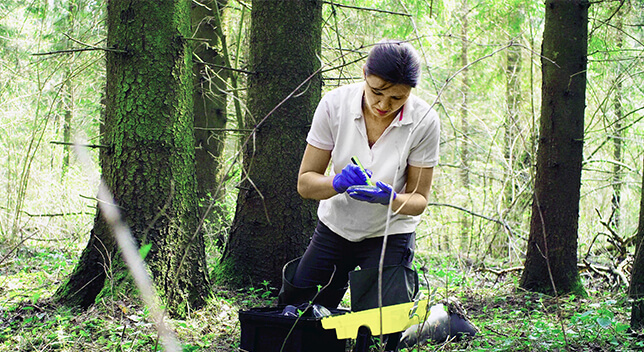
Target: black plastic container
[(265, 329)]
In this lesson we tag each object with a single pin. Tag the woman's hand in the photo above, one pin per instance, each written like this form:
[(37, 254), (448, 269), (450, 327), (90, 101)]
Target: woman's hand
[(381, 194), (351, 175)]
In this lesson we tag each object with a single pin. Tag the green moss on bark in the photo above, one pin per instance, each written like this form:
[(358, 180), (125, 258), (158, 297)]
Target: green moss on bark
[(149, 127)]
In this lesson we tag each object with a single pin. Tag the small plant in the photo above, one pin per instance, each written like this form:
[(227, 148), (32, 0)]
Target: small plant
[(265, 293)]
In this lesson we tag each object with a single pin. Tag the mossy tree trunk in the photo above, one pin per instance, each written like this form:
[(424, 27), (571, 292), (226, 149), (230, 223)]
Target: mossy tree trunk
[(552, 245), (150, 163), (617, 135), (209, 102), (636, 289), (273, 223)]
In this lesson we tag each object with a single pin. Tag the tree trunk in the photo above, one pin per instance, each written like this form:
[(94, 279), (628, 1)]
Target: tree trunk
[(616, 200), (67, 99), (551, 257), (512, 125), (209, 102), (465, 219), (149, 166), (636, 289), (273, 223)]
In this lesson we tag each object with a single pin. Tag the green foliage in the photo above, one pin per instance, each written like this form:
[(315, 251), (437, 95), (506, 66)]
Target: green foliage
[(144, 250), (266, 294), (509, 320), (537, 323), (55, 209)]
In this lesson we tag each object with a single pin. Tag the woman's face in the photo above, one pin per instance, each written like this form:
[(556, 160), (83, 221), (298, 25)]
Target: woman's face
[(384, 99)]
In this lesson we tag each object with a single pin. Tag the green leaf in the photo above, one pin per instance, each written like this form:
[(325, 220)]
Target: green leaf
[(604, 322), (145, 249), (621, 327)]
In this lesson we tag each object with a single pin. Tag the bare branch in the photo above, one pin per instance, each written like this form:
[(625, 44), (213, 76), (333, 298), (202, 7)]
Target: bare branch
[(88, 47), (498, 221), (84, 145), (223, 67), (367, 9), (78, 50)]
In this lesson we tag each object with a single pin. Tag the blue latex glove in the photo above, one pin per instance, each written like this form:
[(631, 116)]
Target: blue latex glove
[(351, 175), (380, 194)]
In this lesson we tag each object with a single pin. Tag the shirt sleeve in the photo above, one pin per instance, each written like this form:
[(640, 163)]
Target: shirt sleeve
[(424, 153), (321, 135)]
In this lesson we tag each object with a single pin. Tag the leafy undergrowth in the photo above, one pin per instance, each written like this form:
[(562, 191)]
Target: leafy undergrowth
[(509, 319)]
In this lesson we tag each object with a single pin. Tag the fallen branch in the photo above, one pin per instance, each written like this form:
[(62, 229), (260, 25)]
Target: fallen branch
[(501, 272), (604, 271), (607, 272), (54, 214)]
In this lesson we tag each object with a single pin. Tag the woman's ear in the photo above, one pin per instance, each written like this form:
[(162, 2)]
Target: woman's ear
[(364, 71)]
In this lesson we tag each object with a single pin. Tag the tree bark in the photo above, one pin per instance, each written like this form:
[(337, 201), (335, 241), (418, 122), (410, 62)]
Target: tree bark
[(512, 126), (209, 102), (616, 200), (273, 223), (551, 258), (464, 219), (636, 289), (149, 166)]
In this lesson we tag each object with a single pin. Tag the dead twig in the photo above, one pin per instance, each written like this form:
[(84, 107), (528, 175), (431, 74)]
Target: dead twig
[(84, 145), (501, 272), (87, 47), (611, 274), (498, 221), (367, 9), (68, 51)]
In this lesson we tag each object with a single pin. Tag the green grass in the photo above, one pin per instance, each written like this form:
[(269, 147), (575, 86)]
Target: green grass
[(509, 318)]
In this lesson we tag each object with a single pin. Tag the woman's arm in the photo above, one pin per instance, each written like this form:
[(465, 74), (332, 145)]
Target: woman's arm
[(416, 196), (311, 181)]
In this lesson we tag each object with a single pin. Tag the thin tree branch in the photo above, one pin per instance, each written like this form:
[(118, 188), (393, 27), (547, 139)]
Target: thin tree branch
[(345, 63), (54, 214), (367, 9), (81, 43), (88, 47), (197, 39), (224, 129), (78, 50), (16, 247), (225, 67), (83, 145), (498, 221)]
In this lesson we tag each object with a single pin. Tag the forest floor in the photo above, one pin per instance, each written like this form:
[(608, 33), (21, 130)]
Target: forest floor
[(509, 319)]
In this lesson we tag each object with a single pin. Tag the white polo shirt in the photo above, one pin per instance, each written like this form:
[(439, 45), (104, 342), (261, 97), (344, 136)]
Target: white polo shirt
[(411, 139)]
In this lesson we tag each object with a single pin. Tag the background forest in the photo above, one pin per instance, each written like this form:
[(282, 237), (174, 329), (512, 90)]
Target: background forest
[(483, 72)]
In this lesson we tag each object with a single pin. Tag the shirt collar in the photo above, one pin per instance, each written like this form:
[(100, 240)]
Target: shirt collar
[(356, 102), (404, 116)]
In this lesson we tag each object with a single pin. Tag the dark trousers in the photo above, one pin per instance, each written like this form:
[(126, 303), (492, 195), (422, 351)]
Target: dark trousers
[(328, 250), (330, 257)]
